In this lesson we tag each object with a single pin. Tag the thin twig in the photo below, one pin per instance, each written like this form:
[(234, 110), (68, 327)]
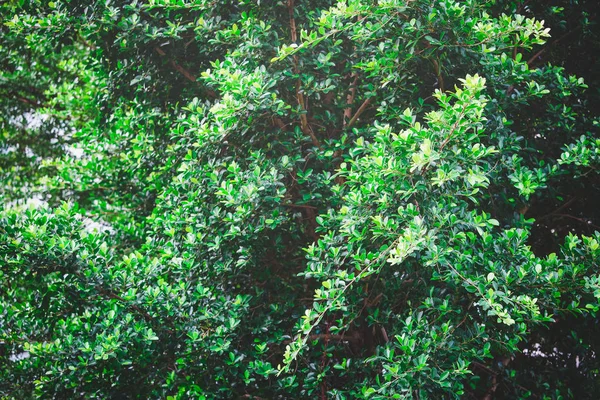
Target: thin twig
[(582, 220), (560, 208)]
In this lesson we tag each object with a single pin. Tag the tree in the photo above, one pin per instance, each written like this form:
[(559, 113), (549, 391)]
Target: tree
[(294, 199)]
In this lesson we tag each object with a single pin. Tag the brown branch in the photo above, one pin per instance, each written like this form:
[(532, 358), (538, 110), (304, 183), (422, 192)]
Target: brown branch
[(84, 42), (323, 365), (534, 58), (23, 99), (560, 208), (187, 74), (293, 33), (358, 112), (582, 220), (495, 383), (542, 51), (304, 125), (30, 102), (299, 206), (484, 367), (183, 71), (438, 72), (384, 335), (350, 100), (278, 123)]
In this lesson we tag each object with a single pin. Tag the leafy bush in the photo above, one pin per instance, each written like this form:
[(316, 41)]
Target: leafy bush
[(293, 199)]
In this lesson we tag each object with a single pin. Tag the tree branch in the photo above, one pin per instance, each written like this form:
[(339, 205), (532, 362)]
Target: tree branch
[(543, 50), (299, 206), (438, 72), (350, 100), (535, 57), (304, 125), (187, 74), (358, 112)]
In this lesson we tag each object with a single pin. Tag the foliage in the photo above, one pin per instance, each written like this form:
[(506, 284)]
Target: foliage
[(294, 199)]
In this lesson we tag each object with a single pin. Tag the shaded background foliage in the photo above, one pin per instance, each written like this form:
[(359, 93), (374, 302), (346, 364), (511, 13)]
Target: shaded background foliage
[(299, 221)]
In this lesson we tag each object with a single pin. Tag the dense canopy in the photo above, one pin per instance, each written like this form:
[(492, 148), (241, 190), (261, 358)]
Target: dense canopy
[(299, 199)]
